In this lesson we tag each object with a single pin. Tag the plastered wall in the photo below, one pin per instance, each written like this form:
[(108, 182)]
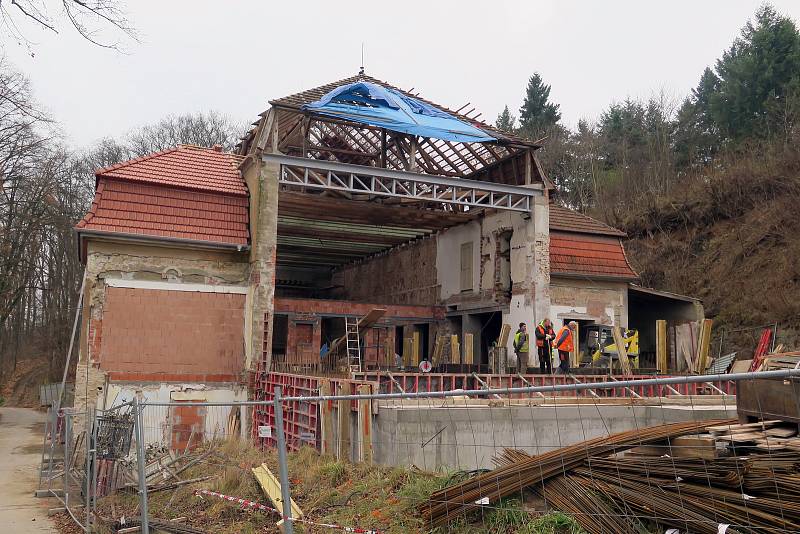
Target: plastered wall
[(143, 263)]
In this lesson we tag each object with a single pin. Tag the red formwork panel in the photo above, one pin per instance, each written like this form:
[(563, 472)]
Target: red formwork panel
[(301, 422), (428, 382)]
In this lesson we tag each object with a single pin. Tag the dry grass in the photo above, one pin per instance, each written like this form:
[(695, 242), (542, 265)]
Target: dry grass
[(327, 491)]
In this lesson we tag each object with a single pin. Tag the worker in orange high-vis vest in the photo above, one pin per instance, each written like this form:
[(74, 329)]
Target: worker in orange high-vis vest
[(544, 341), (565, 344)]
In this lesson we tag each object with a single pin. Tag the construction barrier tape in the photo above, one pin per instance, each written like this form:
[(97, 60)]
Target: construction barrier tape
[(264, 508)]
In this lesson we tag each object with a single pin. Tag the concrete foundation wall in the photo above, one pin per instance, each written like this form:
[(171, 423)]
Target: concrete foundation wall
[(435, 437)]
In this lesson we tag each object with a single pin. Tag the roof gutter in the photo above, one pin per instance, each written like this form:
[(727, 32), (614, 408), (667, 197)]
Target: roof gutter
[(149, 240), (599, 277)]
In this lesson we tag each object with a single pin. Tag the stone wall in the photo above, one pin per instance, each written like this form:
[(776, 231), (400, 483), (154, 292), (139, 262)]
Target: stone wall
[(404, 275)]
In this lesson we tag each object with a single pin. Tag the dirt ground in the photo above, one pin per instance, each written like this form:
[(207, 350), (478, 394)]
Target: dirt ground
[(20, 453), (21, 388)]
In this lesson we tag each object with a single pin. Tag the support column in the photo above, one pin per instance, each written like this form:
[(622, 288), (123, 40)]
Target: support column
[(540, 216), (262, 265)]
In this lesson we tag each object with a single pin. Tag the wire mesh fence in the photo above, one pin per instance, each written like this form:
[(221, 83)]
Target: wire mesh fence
[(523, 459)]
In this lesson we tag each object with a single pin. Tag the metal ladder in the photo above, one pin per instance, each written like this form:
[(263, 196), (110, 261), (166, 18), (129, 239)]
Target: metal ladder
[(353, 344)]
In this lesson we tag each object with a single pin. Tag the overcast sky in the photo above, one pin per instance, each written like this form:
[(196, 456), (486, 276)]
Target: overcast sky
[(234, 56)]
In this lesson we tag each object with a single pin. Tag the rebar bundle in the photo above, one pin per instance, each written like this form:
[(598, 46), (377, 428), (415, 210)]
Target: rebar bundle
[(531, 471)]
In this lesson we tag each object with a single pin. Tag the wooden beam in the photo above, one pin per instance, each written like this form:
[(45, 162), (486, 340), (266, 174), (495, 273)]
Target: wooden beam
[(455, 351), (703, 345), (321, 208), (415, 348), (344, 235), (272, 489), (662, 358), (622, 353), (468, 349), (343, 409), (365, 451), (326, 418)]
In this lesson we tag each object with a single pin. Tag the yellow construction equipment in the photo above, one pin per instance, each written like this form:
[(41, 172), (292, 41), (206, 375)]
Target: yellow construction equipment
[(600, 342)]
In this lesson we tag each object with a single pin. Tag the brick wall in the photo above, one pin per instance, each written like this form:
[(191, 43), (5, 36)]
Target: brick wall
[(156, 335), (405, 275)]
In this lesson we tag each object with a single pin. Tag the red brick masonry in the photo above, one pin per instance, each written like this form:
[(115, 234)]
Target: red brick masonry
[(153, 335)]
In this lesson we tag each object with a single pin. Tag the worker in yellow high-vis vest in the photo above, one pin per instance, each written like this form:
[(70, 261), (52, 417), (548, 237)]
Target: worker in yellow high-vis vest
[(521, 348)]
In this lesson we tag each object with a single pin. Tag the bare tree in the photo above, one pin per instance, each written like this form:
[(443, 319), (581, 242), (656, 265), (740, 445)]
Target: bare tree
[(98, 21), (202, 129)]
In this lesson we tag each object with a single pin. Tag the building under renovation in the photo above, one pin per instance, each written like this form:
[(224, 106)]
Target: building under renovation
[(357, 228)]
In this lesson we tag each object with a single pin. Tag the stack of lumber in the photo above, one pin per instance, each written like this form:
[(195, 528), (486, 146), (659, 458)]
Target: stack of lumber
[(682, 477), (764, 436), (778, 361)]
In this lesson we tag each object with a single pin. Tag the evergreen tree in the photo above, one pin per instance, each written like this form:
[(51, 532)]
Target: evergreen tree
[(537, 114), (696, 134), (757, 75), (506, 121)]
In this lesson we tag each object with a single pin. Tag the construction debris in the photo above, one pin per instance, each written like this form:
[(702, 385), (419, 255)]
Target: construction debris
[(729, 474), (531, 471)]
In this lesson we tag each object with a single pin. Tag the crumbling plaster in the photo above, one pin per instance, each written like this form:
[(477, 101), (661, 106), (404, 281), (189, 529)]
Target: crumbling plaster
[(129, 261), (605, 302)]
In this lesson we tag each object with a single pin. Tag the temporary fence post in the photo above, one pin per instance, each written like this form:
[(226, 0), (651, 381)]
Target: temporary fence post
[(288, 526), (67, 456), (140, 464), (94, 462), (87, 495)]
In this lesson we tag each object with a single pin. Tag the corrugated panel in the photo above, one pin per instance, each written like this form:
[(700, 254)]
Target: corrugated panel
[(721, 364)]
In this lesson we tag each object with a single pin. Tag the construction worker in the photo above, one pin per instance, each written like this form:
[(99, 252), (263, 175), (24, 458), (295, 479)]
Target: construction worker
[(565, 344), (521, 348), (544, 345)]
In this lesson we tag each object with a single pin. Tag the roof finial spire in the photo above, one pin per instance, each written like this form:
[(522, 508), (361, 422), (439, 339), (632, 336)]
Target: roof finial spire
[(361, 70)]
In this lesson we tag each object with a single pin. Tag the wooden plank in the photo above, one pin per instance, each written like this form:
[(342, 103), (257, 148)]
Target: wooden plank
[(694, 447), (781, 432), (662, 358), (365, 451), (438, 349), (327, 445), (760, 425), (703, 345), (272, 489), (505, 332), (415, 348), (469, 356), (744, 437), (622, 353), (455, 350), (343, 409), (408, 344), (741, 366)]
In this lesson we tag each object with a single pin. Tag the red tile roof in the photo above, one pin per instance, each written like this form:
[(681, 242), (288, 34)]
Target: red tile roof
[(122, 206), (565, 219), (186, 166), (588, 255)]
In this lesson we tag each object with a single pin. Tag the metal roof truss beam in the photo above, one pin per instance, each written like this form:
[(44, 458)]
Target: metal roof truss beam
[(303, 174)]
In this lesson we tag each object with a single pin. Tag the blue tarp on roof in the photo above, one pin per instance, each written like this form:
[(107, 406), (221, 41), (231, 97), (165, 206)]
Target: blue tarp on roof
[(372, 104)]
